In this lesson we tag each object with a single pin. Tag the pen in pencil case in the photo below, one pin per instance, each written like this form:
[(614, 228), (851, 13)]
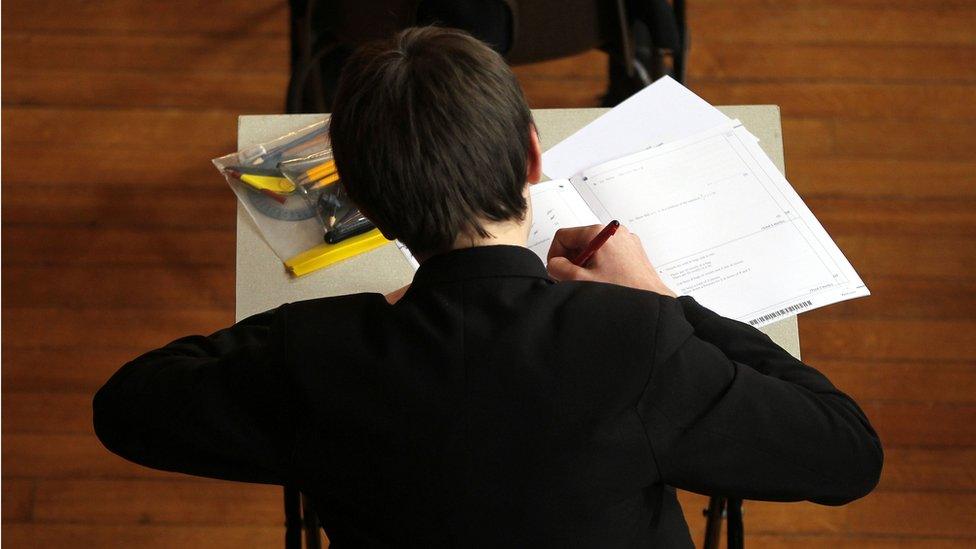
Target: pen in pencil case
[(299, 149), (251, 170), (261, 155), (329, 205), (340, 233)]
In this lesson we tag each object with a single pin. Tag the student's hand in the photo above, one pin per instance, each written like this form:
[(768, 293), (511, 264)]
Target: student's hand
[(395, 295), (621, 260)]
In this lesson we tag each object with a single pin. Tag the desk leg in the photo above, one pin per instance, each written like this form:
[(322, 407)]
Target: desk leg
[(293, 518)]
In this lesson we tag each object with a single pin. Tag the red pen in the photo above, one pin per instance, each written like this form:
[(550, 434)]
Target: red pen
[(595, 244)]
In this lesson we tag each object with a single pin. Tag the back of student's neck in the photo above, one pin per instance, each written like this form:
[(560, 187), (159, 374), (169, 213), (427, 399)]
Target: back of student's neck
[(501, 235)]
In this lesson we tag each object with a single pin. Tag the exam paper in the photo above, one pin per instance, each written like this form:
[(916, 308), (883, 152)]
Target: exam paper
[(662, 112), (555, 204), (722, 224)]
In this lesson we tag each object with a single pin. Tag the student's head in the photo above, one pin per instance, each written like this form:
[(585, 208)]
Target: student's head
[(433, 138)]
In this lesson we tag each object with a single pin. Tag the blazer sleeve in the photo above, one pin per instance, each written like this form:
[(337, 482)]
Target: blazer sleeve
[(729, 412), (214, 406)]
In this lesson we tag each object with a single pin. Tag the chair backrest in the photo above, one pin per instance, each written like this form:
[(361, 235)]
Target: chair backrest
[(635, 33)]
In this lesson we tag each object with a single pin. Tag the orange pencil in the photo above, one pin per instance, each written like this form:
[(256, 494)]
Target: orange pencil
[(321, 170), (325, 181)]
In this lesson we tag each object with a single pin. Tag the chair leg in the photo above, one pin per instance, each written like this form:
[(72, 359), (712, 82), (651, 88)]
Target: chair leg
[(681, 53), (313, 539), (713, 522)]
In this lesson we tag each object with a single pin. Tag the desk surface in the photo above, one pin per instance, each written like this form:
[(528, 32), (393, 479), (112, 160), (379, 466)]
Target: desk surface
[(262, 282)]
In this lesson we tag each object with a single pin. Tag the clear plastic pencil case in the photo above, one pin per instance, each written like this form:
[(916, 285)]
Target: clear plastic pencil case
[(291, 189)]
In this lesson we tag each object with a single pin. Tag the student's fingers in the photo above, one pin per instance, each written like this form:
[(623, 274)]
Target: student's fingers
[(569, 242), (561, 269)]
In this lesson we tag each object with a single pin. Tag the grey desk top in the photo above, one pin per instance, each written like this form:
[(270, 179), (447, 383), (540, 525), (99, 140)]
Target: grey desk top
[(262, 282)]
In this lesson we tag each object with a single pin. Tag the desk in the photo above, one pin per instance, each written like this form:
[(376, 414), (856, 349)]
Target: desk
[(262, 282)]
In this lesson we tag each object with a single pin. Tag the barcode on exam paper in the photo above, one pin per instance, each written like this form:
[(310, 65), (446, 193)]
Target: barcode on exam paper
[(780, 312)]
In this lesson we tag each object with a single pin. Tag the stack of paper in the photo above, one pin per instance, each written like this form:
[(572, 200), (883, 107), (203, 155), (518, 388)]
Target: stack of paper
[(717, 219)]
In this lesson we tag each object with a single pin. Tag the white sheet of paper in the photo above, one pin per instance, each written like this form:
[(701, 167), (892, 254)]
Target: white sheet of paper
[(555, 204), (406, 253), (662, 112), (720, 223)]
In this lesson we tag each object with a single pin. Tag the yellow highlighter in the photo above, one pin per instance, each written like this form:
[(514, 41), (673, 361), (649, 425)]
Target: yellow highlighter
[(271, 183)]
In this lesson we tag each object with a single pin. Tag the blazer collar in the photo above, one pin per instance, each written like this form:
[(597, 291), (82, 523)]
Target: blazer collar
[(480, 262)]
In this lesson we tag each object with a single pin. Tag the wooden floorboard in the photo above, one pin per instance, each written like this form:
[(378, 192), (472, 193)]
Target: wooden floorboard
[(770, 25), (933, 383), (166, 55), (195, 91), (82, 286), (45, 456), (838, 176), (118, 237), (42, 535), (951, 102), (919, 217), (858, 63), (158, 502), (129, 329), (18, 499), (885, 512), (62, 369), (131, 205), (233, 19), (135, 130)]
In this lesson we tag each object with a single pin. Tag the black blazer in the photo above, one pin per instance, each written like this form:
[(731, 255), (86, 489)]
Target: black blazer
[(493, 407)]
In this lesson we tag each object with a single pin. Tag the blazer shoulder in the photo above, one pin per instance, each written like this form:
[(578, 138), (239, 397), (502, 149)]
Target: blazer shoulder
[(335, 314), (348, 302), (613, 297), (624, 307), (649, 312)]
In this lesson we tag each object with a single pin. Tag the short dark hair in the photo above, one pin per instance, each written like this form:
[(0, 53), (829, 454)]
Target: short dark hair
[(430, 133)]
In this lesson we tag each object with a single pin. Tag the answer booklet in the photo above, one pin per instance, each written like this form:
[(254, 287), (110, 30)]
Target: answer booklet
[(717, 218)]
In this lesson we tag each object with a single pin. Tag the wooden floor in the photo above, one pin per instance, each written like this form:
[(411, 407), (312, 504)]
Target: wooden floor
[(118, 236)]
